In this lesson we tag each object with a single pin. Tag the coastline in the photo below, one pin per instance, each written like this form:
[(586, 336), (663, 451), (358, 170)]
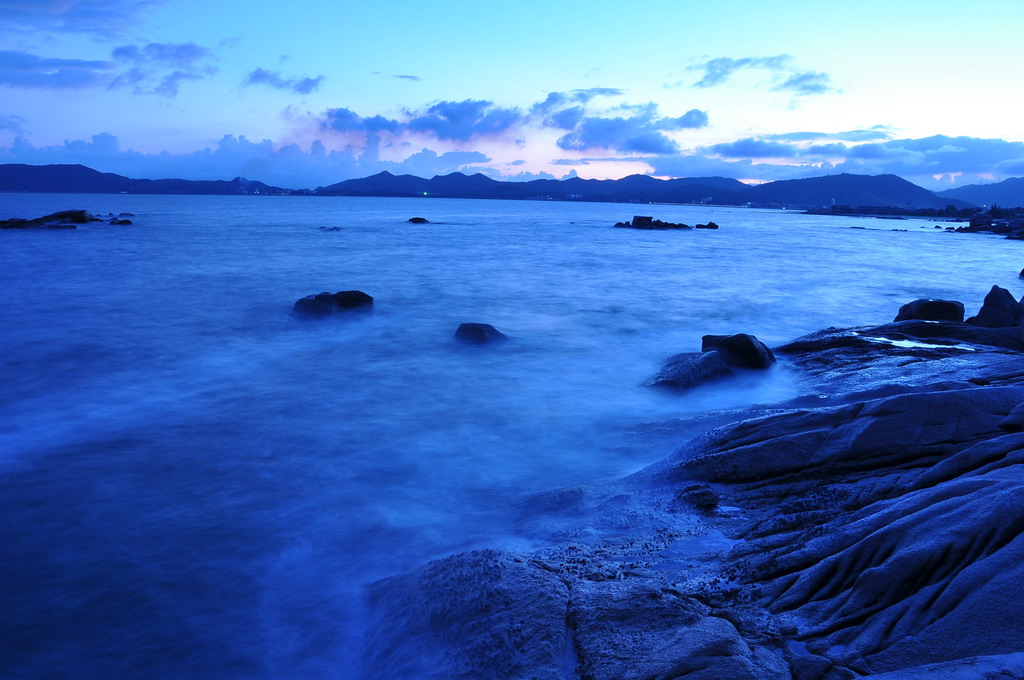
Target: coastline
[(870, 528)]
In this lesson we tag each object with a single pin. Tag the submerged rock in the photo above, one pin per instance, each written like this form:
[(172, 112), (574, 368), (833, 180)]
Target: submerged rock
[(741, 350), (932, 310), (419, 220), (709, 225), (690, 369), (479, 333), (328, 304)]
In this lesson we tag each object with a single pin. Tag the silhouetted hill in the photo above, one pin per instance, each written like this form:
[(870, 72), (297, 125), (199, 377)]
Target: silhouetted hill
[(634, 188), (1006, 194), (882, 191), (886, 191), (78, 179)]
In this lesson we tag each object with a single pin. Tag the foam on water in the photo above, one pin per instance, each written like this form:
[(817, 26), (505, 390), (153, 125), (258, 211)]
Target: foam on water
[(194, 484)]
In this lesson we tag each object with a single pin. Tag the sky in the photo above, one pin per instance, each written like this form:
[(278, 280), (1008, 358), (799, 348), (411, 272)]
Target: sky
[(306, 93)]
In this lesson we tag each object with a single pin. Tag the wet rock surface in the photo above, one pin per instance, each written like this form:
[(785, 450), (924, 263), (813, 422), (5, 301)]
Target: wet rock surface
[(873, 527)]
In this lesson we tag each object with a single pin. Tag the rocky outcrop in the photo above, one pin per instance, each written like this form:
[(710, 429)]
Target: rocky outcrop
[(932, 310), (65, 219), (871, 528), (478, 334), (646, 222), (999, 310), (419, 220), (740, 350), (329, 304)]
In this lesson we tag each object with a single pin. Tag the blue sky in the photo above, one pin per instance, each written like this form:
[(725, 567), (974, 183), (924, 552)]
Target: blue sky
[(305, 93)]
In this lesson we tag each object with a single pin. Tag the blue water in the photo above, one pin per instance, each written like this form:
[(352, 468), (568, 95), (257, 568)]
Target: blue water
[(194, 484)]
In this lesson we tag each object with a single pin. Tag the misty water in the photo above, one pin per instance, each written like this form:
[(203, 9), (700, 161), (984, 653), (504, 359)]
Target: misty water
[(195, 484)]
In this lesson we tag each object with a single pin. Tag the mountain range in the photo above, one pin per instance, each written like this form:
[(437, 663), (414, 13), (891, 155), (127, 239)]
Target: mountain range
[(879, 191), (78, 179)]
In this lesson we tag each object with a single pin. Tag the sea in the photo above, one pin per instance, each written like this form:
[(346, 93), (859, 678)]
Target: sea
[(196, 484)]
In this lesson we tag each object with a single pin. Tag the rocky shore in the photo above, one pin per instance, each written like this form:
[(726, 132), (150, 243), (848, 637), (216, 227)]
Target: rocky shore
[(871, 528)]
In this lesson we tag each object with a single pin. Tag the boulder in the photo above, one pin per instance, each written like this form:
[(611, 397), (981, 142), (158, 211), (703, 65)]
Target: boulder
[(419, 220), (119, 221), (1021, 275), (642, 221), (741, 350), (328, 304), (683, 371), (999, 310), (479, 334), (709, 225), (932, 310)]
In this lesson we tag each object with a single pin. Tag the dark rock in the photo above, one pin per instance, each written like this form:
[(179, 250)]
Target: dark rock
[(999, 310), (419, 220), (483, 614), (65, 219), (683, 371), (709, 225), (329, 228), (1021, 275), (478, 333), (327, 304), (699, 496), (126, 214), (645, 222), (741, 350), (932, 310), (120, 221)]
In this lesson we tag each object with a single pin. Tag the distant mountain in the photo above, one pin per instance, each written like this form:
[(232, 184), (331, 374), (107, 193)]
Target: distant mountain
[(884, 191), (1006, 194), (881, 191), (635, 188), (78, 179)]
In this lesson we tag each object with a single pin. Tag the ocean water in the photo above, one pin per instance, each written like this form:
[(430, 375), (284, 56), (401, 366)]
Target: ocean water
[(195, 484)]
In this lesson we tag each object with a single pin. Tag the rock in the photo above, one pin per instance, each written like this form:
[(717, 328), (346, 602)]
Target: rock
[(932, 310), (419, 220), (65, 219), (646, 222), (323, 228), (999, 310), (484, 614), (327, 304), (118, 221), (479, 333), (1014, 420), (683, 371), (709, 225), (126, 214), (1021, 275), (741, 350)]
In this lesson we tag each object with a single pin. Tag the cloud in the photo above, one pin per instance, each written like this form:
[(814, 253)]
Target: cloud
[(784, 75), (806, 83), (406, 77), (298, 84), (20, 69), (876, 133), (161, 68), (100, 17), (15, 124), (718, 70), (461, 121), (639, 133), (755, 148)]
